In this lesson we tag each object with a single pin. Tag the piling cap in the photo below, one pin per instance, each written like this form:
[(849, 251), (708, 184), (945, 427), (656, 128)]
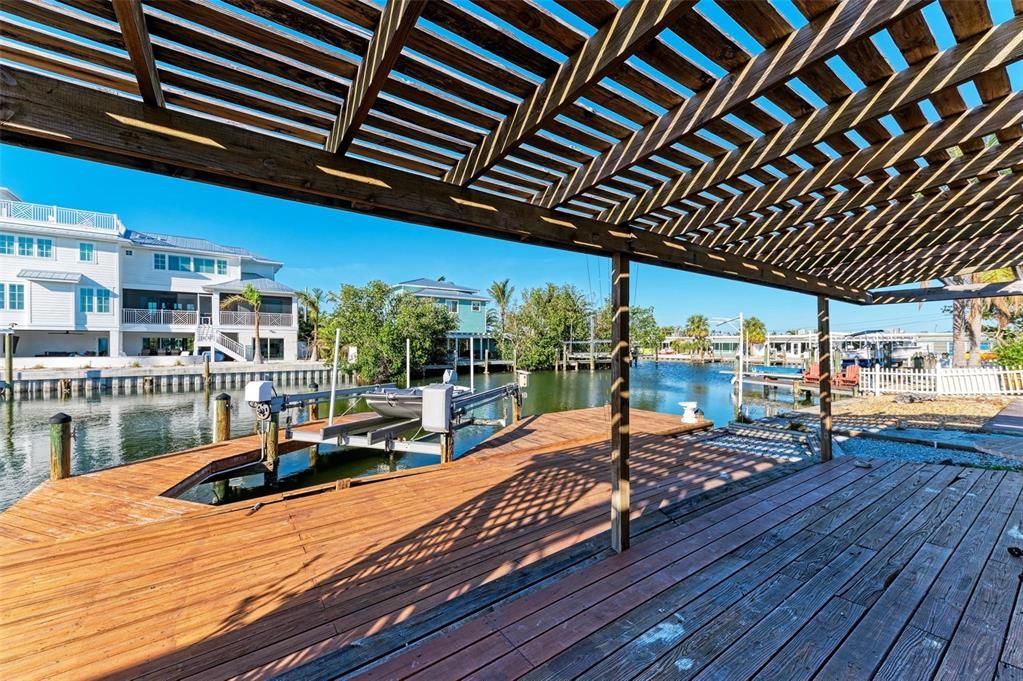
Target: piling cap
[(222, 397), (60, 417)]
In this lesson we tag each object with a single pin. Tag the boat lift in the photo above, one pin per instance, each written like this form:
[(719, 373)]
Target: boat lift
[(444, 411)]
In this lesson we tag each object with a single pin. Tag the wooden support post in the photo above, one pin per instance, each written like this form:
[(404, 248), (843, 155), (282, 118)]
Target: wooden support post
[(313, 415), (447, 447), (206, 373), (620, 402), (273, 442), (60, 446), (517, 408), (824, 363), (222, 424)]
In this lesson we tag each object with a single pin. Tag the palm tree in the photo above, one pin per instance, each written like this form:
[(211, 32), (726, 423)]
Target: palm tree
[(698, 329), (502, 294), (754, 332), (312, 300), (254, 299)]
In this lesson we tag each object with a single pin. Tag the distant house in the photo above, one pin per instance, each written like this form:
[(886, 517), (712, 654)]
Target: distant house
[(78, 282), (465, 302)]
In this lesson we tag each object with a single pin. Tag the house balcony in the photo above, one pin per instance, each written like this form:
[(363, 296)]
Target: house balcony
[(144, 317), (20, 211), (266, 319), (191, 318)]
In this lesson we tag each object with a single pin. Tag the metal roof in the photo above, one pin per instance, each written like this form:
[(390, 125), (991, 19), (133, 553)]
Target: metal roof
[(450, 294), (191, 244), (438, 284), (50, 275), (261, 284)]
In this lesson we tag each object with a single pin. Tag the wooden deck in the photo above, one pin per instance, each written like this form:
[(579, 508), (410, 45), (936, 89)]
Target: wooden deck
[(549, 432), (902, 571), (244, 589)]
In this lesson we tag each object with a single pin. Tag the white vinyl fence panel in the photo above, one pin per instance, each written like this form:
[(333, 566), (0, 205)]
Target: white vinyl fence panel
[(939, 381)]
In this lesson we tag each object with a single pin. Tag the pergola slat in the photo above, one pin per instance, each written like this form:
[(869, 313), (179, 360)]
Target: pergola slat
[(396, 22), (814, 42), (136, 42), (953, 66), (635, 24)]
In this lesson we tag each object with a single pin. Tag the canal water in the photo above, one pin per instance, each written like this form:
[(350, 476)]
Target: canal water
[(109, 430)]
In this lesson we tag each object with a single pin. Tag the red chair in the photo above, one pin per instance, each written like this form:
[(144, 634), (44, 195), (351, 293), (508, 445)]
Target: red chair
[(813, 375), (850, 378)]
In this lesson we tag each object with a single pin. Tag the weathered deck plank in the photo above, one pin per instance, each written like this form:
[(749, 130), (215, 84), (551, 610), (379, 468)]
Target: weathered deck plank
[(845, 587)]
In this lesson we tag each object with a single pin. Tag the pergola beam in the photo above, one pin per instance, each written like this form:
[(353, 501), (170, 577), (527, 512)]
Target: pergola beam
[(949, 292), (620, 37), (45, 112), (132, 21), (397, 20), (818, 40)]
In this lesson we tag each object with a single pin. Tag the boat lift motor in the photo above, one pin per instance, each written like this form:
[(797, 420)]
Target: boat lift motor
[(437, 407), (260, 396)]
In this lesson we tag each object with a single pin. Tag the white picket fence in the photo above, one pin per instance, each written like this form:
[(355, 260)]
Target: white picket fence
[(940, 381)]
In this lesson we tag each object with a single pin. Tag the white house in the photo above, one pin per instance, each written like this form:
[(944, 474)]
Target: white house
[(76, 282)]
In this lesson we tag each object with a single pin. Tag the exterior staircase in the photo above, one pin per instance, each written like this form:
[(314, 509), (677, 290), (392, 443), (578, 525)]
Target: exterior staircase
[(208, 337)]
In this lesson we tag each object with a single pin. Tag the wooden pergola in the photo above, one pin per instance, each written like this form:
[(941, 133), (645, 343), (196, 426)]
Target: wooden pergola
[(799, 157)]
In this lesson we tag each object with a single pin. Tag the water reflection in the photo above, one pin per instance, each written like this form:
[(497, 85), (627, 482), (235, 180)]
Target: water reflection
[(111, 430)]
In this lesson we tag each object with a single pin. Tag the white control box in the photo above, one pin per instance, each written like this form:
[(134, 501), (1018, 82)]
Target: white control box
[(437, 407), (259, 391)]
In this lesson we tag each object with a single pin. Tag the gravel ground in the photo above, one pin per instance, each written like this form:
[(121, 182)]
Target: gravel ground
[(880, 449), (942, 412)]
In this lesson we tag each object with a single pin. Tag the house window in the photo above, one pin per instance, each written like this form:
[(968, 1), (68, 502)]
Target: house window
[(16, 296), (44, 248), (159, 261), (1, 296), (85, 300), (102, 300), (128, 251), (86, 252), (204, 265), (221, 267), (179, 263), (25, 246), (477, 306), (453, 306), (6, 244)]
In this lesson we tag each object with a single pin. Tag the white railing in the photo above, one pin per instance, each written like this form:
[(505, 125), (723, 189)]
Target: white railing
[(36, 212), (207, 334), (941, 381), (140, 316), (232, 318)]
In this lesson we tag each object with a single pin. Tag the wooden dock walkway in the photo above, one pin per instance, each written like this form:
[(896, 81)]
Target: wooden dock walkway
[(1008, 421), (836, 572)]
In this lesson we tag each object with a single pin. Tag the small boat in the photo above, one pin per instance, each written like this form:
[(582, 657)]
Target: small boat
[(403, 403)]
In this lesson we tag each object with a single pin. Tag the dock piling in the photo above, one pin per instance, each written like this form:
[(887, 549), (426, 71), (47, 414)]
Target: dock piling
[(9, 364), (273, 441), (222, 428), (60, 446)]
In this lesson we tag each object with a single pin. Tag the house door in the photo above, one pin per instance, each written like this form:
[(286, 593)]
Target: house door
[(102, 346), (205, 309)]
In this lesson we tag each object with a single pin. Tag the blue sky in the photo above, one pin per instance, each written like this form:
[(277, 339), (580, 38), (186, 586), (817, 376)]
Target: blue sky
[(324, 247)]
